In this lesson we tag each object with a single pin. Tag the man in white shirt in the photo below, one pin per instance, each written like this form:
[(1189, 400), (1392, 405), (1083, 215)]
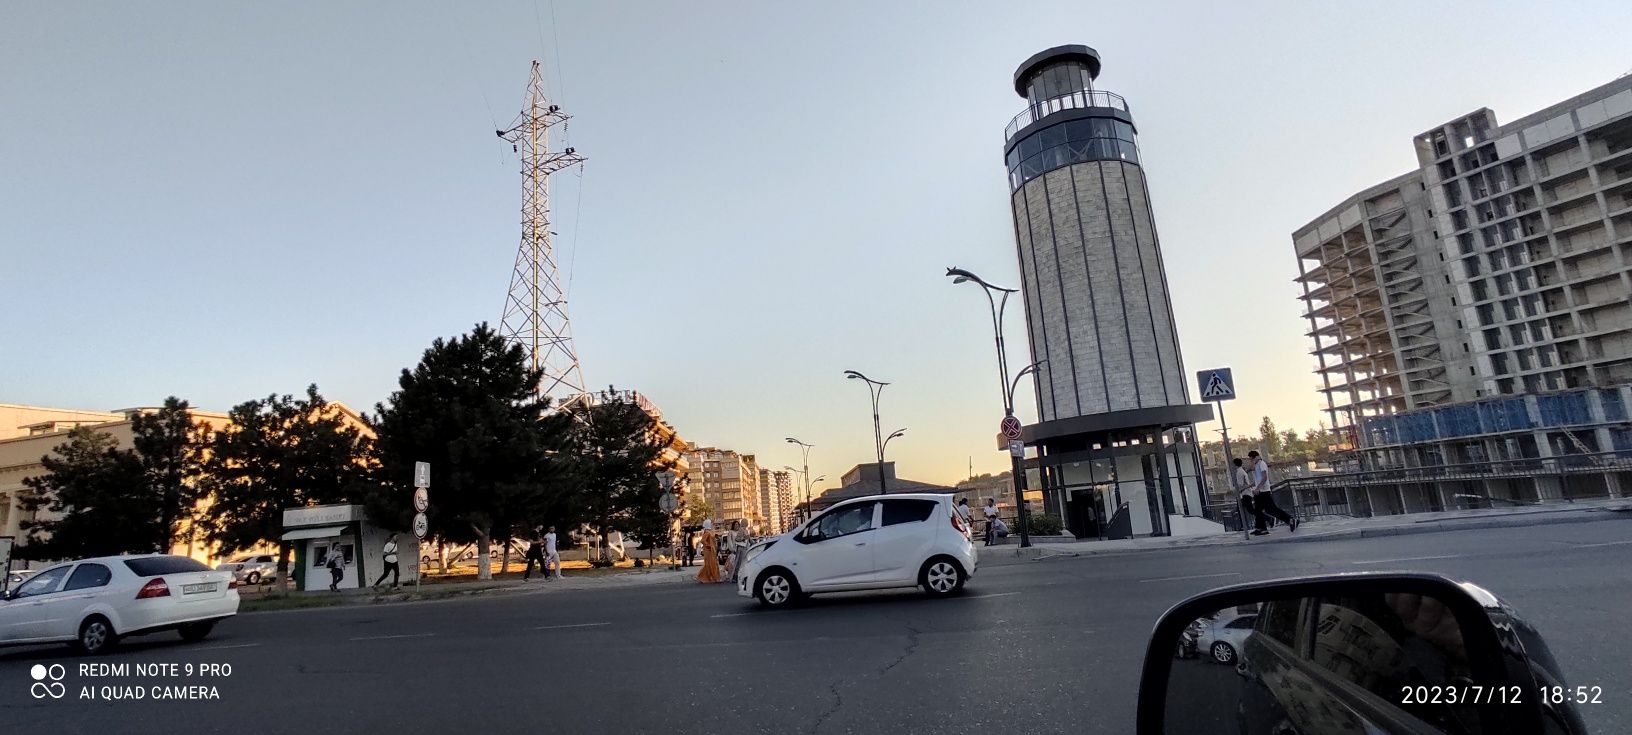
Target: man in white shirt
[(552, 560), (1262, 499), (390, 555), (964, 515), (1241, 480), (990, 511)]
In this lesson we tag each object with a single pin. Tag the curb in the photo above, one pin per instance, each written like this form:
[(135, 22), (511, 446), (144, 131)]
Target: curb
[(1561, 516)]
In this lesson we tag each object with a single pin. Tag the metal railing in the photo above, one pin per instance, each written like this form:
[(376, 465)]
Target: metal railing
[(1617, 461), (1079, 100)]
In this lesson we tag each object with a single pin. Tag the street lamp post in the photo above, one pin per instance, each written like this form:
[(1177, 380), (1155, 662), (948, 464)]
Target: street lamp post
[(804, 450), (875, 388), (1005, 385)]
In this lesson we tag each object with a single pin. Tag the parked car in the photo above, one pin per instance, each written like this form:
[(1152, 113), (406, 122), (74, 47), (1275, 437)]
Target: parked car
[(1223, 636), (876, 542), (252, 570), (18, 576), (92, 603)]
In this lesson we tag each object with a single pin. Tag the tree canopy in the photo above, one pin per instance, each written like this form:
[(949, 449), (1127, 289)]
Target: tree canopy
[(99, 497)]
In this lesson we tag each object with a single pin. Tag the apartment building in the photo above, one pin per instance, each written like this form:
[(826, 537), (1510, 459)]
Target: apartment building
[(729, 482), (1477, 308), (775, 499)]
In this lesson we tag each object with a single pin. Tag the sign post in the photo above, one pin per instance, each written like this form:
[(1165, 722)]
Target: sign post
[(1218, 386), (5, 561), (422, 503)]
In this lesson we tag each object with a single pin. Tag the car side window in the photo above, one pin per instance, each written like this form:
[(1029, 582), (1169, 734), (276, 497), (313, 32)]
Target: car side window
[(907, 511), (87, 576), (43, 583), (1243, 622), (1279, 620), (845, 521)]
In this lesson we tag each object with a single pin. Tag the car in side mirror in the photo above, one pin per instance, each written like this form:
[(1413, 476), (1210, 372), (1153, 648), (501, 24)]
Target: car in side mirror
[(1350, 653)]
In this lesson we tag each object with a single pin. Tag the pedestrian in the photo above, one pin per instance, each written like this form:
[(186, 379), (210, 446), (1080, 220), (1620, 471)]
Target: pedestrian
[(965, 516), (739, 545), (1262, 498), (336, 562), (535, 555), (711, 557), (552, 558), (1242, 482), (990, 511), (389, 553)]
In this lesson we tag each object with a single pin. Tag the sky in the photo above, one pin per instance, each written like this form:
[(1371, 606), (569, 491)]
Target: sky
[(221, 201)]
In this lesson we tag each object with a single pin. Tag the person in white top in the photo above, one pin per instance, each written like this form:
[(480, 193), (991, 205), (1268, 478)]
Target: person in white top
[(990, 511), (552, 559), (965, 516), (390, 554), (1242, 482), (1262, 499)]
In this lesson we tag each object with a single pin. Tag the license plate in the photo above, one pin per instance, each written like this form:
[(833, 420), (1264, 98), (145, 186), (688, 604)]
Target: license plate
[(193, 589)]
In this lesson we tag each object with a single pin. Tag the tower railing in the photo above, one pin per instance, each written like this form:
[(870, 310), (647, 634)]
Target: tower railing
[(1079, 100)]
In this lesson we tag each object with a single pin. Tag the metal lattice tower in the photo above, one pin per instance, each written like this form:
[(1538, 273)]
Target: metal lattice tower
[(535, 312)]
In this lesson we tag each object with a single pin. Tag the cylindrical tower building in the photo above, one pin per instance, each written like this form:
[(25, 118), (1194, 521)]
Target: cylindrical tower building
[(1112, 390)]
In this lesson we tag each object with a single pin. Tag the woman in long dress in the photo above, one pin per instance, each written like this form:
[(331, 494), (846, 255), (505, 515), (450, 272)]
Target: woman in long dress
[(711, 558)]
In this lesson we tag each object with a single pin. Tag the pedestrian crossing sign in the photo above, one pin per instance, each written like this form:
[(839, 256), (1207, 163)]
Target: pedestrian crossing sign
[(1216, 385)]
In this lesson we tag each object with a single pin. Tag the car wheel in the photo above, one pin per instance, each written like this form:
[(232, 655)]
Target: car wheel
[(195, 632), (940, 577), (1223, 652), (776, 588), (253, 578), (95, 636)]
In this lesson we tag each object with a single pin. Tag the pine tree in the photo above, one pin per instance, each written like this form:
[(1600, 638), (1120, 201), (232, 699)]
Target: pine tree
[(99, 496)]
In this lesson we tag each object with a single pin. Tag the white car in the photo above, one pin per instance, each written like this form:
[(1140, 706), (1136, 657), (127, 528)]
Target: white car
[(92, 603), (253, 569), (1223, 636), (876, 542)]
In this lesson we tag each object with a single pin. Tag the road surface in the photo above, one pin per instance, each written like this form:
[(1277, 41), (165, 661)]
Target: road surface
[(1043, 647)]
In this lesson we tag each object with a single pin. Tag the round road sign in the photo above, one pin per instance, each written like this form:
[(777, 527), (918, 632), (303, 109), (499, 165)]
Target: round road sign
[(1010, 427), (421, 525), (668, 502), (422, 499)]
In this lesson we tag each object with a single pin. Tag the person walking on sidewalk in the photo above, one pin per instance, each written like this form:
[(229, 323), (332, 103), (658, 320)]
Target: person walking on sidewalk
[(1241, 480), (552, 558), (1262, 499), (990, 512), (535, 555), (336, 562), (389, 553)]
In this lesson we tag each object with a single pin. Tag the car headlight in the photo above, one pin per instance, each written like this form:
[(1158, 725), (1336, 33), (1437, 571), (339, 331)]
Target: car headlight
[(756, 550)]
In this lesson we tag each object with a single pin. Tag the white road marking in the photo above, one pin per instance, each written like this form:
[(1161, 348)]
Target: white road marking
[(392, 637), (223, 648), (1193, 576), (982, 597), (1606, 543), (574, 625), (732, 615), (1408, 558)]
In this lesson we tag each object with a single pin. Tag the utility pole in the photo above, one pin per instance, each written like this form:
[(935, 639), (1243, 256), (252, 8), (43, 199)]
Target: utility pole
[(535, 310)]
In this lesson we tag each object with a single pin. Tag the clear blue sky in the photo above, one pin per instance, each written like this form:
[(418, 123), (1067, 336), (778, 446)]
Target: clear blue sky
[(224, 200)]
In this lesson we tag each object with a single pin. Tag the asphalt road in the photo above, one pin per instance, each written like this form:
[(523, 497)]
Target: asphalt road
[(1044, 647)]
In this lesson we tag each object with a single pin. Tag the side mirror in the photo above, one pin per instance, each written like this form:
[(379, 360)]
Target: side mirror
[(1374, 653)]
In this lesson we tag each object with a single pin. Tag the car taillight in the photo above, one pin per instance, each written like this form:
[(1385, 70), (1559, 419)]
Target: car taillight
[(232, 584), (154, 588), (958, 523)]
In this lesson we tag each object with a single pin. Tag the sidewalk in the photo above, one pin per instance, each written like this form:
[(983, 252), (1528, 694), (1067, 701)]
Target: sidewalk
[(446, 590), (1328, 529)]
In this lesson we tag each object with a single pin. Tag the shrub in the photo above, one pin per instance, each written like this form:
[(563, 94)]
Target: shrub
[(1045, 524)]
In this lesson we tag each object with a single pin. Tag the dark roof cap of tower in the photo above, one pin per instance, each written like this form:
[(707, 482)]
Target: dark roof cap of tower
[(1069, 52)]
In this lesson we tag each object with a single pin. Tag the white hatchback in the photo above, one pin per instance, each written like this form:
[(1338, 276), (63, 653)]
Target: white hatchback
[(876, 542), (92, 603)]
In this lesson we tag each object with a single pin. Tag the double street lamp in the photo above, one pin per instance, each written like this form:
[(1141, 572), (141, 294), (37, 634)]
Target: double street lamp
[(805, 450), (1006, 386), (805, 478), (875, 388)]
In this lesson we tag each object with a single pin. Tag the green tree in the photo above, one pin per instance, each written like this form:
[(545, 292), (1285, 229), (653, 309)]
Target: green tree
[(99, 495), (1269, 441), (170, 447), (280, 452), (695, 509), (471, 409), (616, 451)]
